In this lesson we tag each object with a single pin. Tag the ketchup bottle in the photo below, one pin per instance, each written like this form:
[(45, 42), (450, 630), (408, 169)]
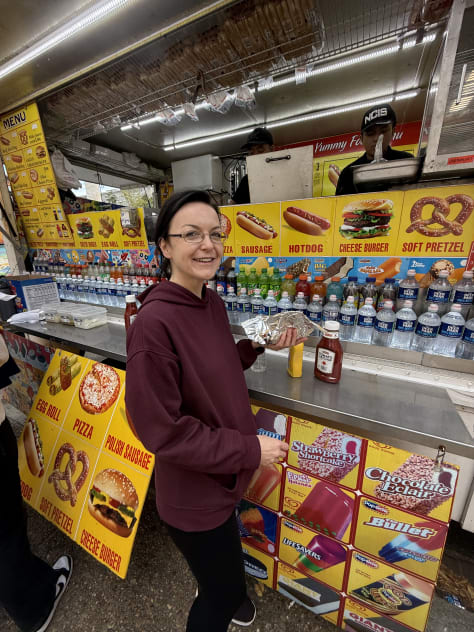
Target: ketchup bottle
[(131, 310), (328, 360)]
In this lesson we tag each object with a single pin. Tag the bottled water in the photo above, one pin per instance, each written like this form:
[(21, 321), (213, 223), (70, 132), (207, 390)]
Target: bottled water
[(369, 290), (285, 304), (230, 301), (465, 347), (62, 286), (439, 292), (347, 318), (122, 292), (92, 295), (270, 305), (79, 289), (404, 326), (69, 294), (365, 322), (99, 291), (426, 330), (387, 292), (384, 325), (314, 312), (135, 290), (463, 292), (450, 332), (86, 289), (351, 288), (256, 302), (113, 293), (300, 303), (243, 304), (408, 289), (331, 309)]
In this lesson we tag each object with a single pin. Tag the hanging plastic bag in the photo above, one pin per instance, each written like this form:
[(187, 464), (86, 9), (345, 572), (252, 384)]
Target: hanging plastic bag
[(66, 177), (190, 110), (245, 98), (169, 117), (220, 102)]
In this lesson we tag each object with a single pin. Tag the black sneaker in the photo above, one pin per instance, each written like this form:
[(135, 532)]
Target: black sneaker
[(63, 566), (246, 614)]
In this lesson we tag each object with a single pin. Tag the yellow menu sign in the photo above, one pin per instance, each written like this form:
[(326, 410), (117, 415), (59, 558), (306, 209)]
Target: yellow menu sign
[(257, 229), (307, 227), (80, 464)]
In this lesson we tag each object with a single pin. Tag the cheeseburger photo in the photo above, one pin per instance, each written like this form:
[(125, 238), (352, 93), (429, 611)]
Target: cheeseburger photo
[(113, 502), (365, 219), (33, 448)]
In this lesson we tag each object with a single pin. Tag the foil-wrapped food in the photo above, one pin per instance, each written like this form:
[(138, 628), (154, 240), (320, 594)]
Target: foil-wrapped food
[(268, 329)]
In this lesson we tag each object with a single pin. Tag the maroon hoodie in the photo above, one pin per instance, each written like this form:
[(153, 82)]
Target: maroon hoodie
[(187, 396)]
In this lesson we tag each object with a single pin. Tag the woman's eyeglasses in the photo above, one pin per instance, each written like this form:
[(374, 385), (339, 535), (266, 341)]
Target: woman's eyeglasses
[(197, 236)]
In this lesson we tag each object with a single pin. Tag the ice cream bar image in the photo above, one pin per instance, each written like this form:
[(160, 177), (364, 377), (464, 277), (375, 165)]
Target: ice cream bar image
[(263, 482), (415, 547), (315, 596), (321, 553), (254, 567), (328, 509), (395, 594), (271, 421)]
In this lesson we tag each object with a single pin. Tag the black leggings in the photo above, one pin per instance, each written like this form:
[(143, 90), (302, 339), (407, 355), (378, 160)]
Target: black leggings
[(216, 561)]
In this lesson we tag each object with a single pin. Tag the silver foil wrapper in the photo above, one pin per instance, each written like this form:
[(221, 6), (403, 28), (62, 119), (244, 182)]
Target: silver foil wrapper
[(268, 329)]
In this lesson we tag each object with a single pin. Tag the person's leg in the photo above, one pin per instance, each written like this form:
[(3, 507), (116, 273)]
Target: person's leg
[(216, 561), (27, 584)]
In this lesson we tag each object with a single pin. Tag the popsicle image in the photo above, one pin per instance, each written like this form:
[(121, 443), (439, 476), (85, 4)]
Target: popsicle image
[(408, 546), (263, 482), (328, 509), (271, 421), (321, 553)]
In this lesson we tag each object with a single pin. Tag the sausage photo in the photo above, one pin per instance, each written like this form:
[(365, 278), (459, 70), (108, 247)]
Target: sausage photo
[(33, 448), (17, 158), (14, 178), (27, 195), (333, 174), (305, 222), (255, 225), (4, 140)]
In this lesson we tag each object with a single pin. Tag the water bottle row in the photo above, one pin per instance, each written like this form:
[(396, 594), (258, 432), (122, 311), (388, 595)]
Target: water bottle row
[(97, 291), (449, 335)]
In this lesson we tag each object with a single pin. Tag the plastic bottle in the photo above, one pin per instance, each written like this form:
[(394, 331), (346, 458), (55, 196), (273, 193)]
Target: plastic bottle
[(347, 317), (300, 303), (252, 281), (243, 305), (131, 311), (426, 330), (384, 325), (230, 301), (264, 283), (463, 292), (256, 302), (405, 324), (113, 298), (450, 332), (285, 304), (408, 289), (331, 310), (335, 288), (439, 292), (231, 280), (288, 285), (241, 281), (465, 347), (122, 291), (369, 289), (365, 322), (351, 288), (275, 284), (328, 357), (318, 287), (221, 284), (387, 292), (314, 312), (69, 292), (270, 305), (304, 287), (260, 364)]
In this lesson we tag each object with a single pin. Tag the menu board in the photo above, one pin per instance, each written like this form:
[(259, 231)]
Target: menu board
[(80, 464), (307, 227), (257, 229), (228, 227), (357, 529), (25, 154)]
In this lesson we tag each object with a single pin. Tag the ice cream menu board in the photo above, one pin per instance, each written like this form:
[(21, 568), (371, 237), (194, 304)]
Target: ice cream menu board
[(25, 154), (349, 528), (80, 464)]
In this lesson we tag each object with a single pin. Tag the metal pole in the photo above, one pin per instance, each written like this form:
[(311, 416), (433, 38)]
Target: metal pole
[(17, 264)]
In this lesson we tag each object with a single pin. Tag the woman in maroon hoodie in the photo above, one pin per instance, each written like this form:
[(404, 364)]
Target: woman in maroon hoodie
[(187, 396)]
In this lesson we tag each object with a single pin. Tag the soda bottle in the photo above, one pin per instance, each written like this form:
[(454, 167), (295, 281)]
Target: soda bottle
[(439, 292), (465, 347), (347, 317), (303, 287), (243, 305), (365, 322), (463, 292), (270, 305), (288, 285), (131, 311), (230, 301), (264, 283), (300, 303), (331, 310), (285, 304), (241, 281), (328, 357), (384, 325), (252, 281), (351, 288), (408, 289), (404, 326), (318, 287), (335, 288), (315, 312), (231, 280), (426, 330), (275, 284), (450, 332), (387, 292), (369, 289), (256, 302), (221, 284)]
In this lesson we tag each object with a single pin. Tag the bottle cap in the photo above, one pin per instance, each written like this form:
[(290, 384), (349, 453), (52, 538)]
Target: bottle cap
[(243, 291), (432, 307), (350, 299), (230, 290), (455, 307), (333, 297), (284, 294), (270, 293), (407, 304), (411, 272), (300, 295), (316, 297), (303, 277), (331, 325), (352, 279), (335, 279), (257, 291), (130, 298), (443, 274), (468, 274), (369, 301), (388, 304), (370, 280)]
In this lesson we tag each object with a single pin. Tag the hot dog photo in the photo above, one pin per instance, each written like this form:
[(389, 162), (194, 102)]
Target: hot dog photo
[(256, 226), (33, 448), (307, 227), (306, 222)]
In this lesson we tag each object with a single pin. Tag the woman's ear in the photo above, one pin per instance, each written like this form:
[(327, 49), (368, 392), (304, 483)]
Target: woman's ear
[(163, 246)]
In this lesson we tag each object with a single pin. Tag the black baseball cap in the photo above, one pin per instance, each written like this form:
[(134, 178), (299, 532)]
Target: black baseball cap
[(378, 115), (259, 136)]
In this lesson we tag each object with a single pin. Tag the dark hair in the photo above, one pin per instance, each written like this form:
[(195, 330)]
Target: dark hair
[(168, 211)]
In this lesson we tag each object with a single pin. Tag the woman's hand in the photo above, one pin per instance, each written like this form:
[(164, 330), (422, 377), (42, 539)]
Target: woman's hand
[(287, 339), (272, 450)]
